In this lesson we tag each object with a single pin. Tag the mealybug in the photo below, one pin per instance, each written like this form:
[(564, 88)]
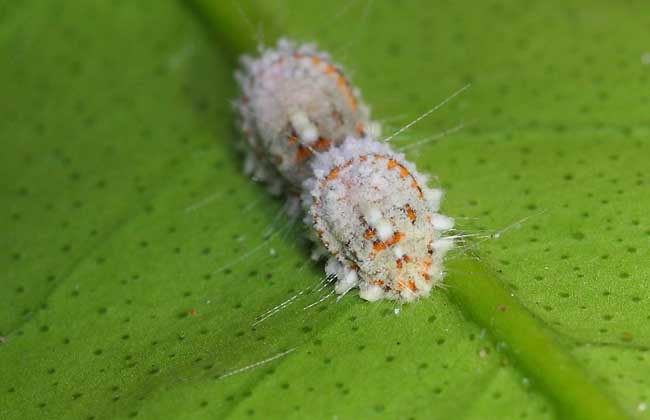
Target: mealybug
[(295, 103), (365, 205), (378, 220)]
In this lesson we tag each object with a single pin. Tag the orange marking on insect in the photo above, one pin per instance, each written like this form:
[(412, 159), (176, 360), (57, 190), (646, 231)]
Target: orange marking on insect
[(398, 263), (406, 258), (330, 69), (343, 85), (392, 163), (417, 187), (351, 101), (369, 233), (410, 213), (358, 127), (292, 139), (322, 144), (378, 282), (363, 158), (400, 286), (411, 285), (397, 236), (378, 246), (341, 81), (425, 268), (426, 276), (333, 173), (302, 153)]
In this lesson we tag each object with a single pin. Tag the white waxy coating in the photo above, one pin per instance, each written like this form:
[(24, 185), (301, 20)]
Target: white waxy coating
[(368, 206), (384, 230), (306, 131), (372, 215), (442, 223), (434, 197), (398, 251), (295, 102)]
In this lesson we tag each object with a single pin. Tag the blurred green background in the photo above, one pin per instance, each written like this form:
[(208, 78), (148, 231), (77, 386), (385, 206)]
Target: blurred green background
[(136, 255)]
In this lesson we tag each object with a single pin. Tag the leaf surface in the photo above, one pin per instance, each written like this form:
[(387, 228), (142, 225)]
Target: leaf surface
[(137, 256)]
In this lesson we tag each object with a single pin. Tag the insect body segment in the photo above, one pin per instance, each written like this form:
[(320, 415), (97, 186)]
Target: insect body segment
[(367, 208), (295, 103), (377, 219)]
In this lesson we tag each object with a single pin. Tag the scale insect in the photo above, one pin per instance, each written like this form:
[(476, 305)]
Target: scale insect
[(295, 103), (367, 209)]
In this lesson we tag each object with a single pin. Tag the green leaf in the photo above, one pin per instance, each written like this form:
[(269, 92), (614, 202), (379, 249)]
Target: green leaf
[(137, 256)]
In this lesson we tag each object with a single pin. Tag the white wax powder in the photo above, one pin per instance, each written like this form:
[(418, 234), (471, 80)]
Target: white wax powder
[(368, 210)]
